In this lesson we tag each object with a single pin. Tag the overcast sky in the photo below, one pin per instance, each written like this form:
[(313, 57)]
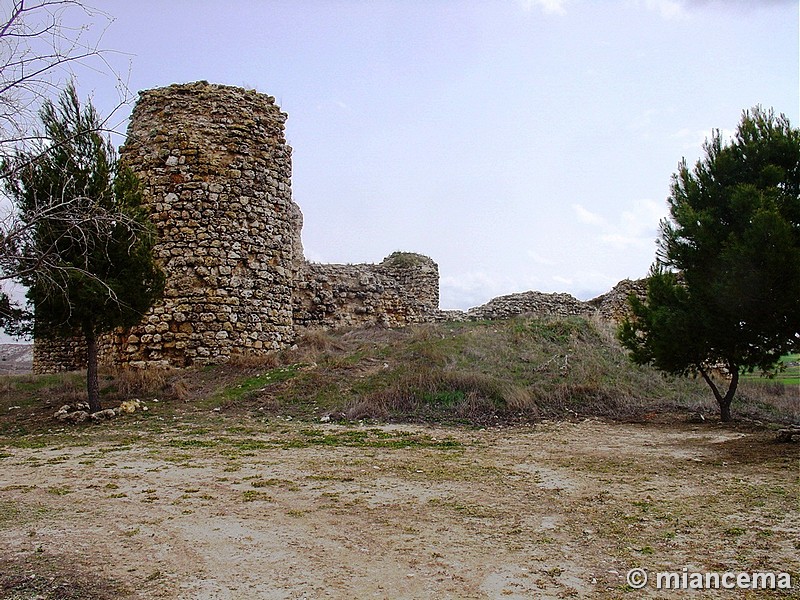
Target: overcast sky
[(522, 144)]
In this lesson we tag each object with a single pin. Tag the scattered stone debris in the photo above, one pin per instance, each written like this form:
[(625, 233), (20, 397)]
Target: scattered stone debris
[(130, 406), (77, 416), (786, 434), (73, 413), (79, 412), (104, 415), (333, 416)]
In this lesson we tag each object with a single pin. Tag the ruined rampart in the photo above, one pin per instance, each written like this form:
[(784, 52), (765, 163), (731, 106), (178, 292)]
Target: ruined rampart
[(216, 175), (402, 289)]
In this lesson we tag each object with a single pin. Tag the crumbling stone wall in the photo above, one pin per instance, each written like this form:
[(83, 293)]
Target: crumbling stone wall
[(402, 289), (216, 175), (614, 305), (538, 303)]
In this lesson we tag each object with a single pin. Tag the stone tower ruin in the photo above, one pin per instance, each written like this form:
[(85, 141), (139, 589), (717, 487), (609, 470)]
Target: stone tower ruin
[(216, 175)]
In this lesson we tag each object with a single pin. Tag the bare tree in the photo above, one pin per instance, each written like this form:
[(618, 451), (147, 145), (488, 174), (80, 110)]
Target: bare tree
[(42, 45), (40, 48), (82, 225)]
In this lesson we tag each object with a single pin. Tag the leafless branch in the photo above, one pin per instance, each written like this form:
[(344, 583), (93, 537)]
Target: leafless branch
[(82, 225), (39, 51), (43, 44)]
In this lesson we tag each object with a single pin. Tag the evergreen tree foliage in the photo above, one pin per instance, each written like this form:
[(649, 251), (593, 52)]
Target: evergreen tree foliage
[(87, 261), (725, 287)]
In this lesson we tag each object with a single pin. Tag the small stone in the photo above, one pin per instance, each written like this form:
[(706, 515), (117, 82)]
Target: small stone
[(79, 416), (104, 415)]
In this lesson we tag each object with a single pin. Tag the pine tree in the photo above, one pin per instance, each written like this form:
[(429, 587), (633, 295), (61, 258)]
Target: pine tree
[(87, 260), (725, 289)]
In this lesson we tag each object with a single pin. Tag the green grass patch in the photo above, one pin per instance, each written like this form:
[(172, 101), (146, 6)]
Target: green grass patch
[(13, 513), (787, 372), (251, 386)]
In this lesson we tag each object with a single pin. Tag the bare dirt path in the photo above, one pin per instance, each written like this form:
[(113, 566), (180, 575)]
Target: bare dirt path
[(292, 510)]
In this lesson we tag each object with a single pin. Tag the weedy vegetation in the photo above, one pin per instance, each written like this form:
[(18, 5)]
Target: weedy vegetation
[(473, 373)]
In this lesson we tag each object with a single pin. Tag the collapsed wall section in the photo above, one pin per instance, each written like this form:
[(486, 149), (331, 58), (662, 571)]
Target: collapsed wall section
[(614, 305), (216, 173), (402, 289), (532, 302)]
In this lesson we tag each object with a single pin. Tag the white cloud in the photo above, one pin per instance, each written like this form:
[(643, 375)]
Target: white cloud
[(621, 241), (472, 288), (586, 216), (694, 139), (643, 215), (548, 6), (333, 104), (669, 9), (636, 227), (592, 283), (679, 9), (539, 259), (644, 121)]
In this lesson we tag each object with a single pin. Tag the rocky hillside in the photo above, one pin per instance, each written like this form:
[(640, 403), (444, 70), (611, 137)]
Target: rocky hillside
[(15, 359)]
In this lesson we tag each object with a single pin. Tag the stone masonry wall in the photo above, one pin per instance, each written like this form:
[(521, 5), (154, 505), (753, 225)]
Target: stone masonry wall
[(402, 289), (54, 354), (613, 305), (216, 174), (538, 303)]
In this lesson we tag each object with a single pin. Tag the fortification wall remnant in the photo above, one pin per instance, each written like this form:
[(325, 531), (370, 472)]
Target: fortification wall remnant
[(613, 305), (402, 289), (216, 175), (538, 303)]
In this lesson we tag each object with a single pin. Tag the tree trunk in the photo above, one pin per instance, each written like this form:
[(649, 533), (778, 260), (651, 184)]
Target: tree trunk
[(724, 411), (724, 402), (92, 384)]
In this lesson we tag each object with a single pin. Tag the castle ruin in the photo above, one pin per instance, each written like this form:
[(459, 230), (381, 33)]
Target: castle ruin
[(216, 175)]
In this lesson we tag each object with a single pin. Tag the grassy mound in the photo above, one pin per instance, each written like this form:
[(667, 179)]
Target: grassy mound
[(521, 369), (480, 373)]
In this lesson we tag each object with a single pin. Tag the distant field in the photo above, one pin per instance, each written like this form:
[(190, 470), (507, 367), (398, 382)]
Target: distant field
[(789, 375)]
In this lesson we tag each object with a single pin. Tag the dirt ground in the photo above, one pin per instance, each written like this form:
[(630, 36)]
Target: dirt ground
[(275, 508)]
